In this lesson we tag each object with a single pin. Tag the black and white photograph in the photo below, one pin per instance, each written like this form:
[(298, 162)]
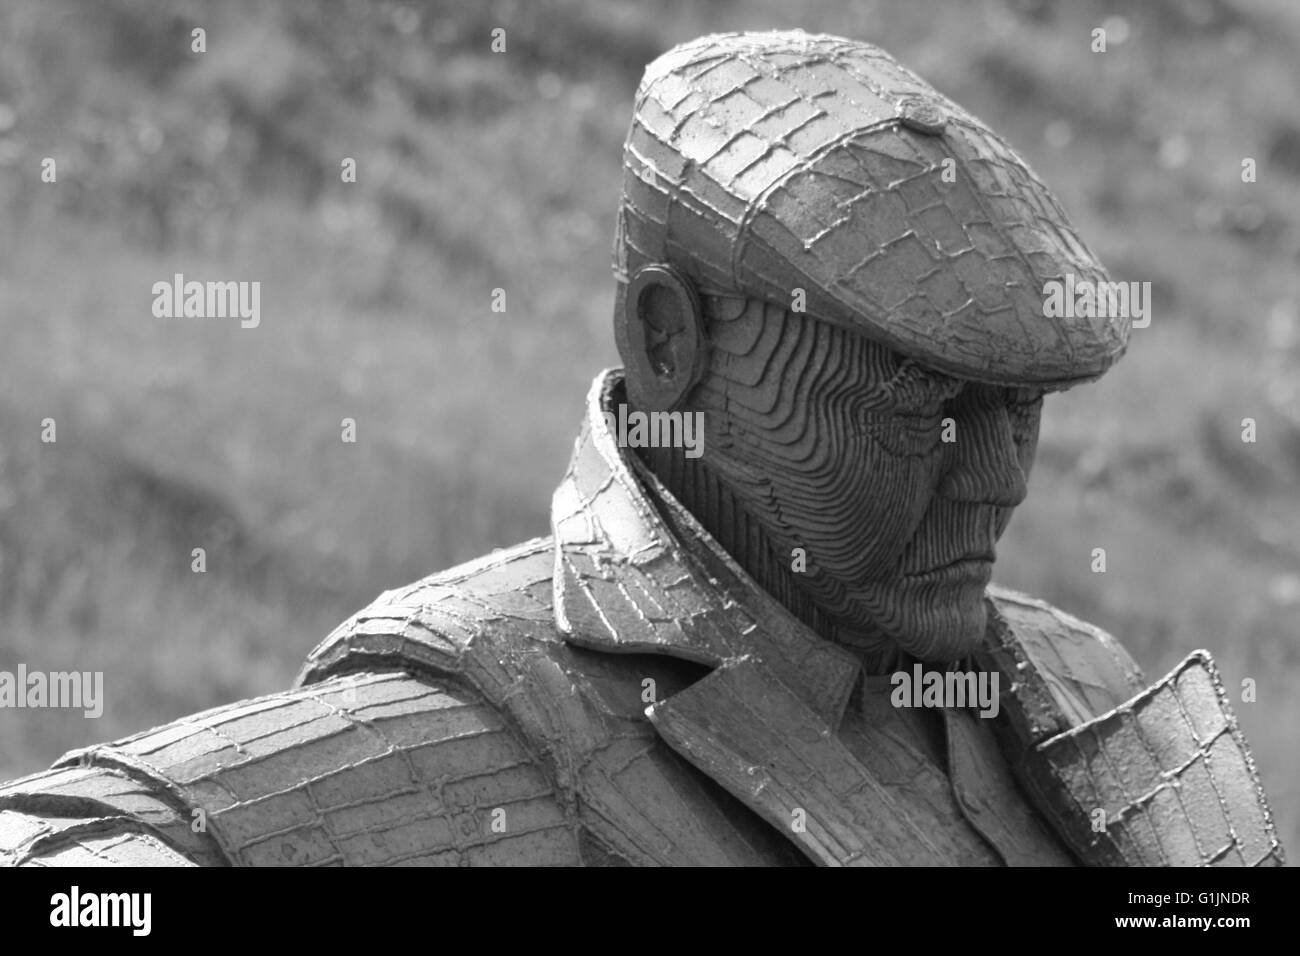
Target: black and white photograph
[(650, 433)]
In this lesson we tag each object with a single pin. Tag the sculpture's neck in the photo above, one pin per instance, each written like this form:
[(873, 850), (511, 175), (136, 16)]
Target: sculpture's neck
[(715, 506)]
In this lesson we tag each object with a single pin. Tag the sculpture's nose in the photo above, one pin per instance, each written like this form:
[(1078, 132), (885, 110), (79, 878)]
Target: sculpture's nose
[(982, 464)]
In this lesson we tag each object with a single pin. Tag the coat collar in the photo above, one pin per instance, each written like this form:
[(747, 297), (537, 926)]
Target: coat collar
[(624, 582)]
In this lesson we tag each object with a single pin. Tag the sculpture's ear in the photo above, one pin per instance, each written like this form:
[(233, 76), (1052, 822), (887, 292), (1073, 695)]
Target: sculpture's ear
[(660, 332)]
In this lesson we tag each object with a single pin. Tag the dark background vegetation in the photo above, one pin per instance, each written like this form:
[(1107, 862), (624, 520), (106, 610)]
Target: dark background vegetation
[(480, 170)]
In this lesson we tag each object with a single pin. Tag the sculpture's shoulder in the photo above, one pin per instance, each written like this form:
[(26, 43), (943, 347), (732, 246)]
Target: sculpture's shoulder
[(1087, 670), (360, 769), (488, 628), (451, 623), (1130, 773), (387, 761)]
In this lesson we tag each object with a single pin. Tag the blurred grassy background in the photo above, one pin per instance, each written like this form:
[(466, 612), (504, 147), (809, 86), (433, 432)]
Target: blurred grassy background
[(480, 170)]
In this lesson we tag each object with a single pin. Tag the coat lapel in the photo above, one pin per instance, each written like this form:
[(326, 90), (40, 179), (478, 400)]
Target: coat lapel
[(752, 734)]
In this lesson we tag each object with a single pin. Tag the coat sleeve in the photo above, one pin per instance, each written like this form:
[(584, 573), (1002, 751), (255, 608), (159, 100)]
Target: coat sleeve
[(361, 769)]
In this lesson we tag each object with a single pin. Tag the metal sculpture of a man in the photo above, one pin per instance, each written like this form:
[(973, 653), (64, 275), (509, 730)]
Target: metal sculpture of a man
[(839, 274)]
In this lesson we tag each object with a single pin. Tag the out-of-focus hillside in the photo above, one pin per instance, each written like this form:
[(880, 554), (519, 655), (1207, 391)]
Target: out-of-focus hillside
[(480, 171)]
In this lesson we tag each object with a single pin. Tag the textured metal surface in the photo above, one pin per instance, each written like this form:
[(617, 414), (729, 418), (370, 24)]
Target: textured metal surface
[(760, 163), (1170, 771), (119, 849), (1065, 670), (490, 625), (990, 799), (376, 769), (96, 815)]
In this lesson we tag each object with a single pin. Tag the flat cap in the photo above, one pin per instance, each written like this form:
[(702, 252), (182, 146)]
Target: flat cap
[(762, 163)]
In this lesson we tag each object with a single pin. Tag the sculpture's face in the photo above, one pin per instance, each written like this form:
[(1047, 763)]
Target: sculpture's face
[(895, 479)]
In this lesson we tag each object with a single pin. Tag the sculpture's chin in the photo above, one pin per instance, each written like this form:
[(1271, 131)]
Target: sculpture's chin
[(935, 623)]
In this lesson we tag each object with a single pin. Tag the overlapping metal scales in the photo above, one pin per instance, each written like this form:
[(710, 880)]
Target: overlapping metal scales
[(761, 163)]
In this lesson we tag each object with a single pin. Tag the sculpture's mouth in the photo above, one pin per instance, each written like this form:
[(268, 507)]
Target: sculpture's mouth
[(967, 566)]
